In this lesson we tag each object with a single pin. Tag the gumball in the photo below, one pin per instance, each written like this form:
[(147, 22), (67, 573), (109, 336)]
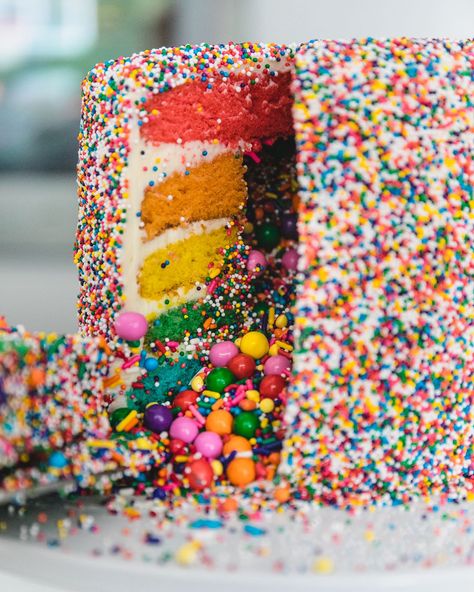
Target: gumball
[(218, 379), (242, 366), (130, 326), (209, 444), (184, 428), (288, 226), (247, 405), (256, 259), (157, 418), (246, 424), (151, 364), (220, 422), (241, 471), (236, 444), (217, 467), (253, 395), (290, 259), (254, 344), (271, 386), (276, 365), (267, 405), (177, 447), (267, 235), (200, 474), (197, 383), (184, 399), (221, 353)]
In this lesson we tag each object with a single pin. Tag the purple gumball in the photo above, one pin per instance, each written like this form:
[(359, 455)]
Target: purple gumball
[(158, 418), (288, 226), (184, 428), (290, 259), (276, 365), (209, 444), (222, 353)]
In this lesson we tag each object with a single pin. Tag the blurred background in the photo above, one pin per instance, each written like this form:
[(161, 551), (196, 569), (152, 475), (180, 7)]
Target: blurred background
[(47, 46)]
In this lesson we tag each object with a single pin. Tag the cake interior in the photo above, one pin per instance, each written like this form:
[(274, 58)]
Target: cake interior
[(211, 249), (211, 191)]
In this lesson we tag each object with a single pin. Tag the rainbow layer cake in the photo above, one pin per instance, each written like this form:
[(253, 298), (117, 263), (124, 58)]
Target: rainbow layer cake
[(204, 172)]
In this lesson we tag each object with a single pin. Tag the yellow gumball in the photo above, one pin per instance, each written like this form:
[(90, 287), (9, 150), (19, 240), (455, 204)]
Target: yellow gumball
[(254, 344), (274, 350), (197, 383), (217, 467), (281, 321), (267, 405), (253, 395)]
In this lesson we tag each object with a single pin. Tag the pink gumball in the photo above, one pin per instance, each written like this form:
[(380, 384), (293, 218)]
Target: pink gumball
[(256, 259), (130, 326), (290, 259), (222, 353), (184, 428), (276, 365), (209, 444)]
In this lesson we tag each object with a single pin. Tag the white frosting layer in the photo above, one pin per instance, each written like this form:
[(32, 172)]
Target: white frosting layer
[(149, 165)]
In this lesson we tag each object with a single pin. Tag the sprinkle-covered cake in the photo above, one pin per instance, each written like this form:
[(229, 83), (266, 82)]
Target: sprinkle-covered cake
[(187, 250), (52, 400)]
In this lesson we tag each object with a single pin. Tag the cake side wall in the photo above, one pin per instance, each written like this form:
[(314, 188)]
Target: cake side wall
[(102, 191), (381, 403)]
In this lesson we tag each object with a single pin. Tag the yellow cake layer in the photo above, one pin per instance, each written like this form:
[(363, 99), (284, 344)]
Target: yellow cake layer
[(214, 189), (183, 264)]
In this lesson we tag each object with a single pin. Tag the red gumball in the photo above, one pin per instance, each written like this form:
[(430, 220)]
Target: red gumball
[(200, 474), (271, 386), (242, 366), (177, 447), (184, 399)]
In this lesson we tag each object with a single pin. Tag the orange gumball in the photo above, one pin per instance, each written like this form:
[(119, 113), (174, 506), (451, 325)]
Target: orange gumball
[(229, 505), (247, 405), (237, 444), (241, 471), (282, 494), (220, 422)]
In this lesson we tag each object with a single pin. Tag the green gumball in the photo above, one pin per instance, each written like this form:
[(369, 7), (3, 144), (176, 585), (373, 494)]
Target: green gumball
[(246, 424), (218, 379), (268, 236)]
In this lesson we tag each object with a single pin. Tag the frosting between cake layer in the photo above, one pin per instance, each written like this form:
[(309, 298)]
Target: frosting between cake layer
[(167, 159)]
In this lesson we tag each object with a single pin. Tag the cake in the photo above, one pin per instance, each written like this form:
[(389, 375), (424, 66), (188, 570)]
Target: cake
[(52, 401), (186, 255), (54, 425)]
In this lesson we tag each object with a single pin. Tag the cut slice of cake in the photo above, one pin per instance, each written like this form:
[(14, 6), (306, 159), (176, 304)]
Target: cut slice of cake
[(52, 400)]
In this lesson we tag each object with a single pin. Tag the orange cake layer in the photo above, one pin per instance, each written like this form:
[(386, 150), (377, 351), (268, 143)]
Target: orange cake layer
[(213, 189)]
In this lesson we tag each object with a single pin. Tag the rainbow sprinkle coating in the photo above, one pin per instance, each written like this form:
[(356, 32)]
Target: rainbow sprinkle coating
[(382, 398), (51, 400), (114, 94)]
